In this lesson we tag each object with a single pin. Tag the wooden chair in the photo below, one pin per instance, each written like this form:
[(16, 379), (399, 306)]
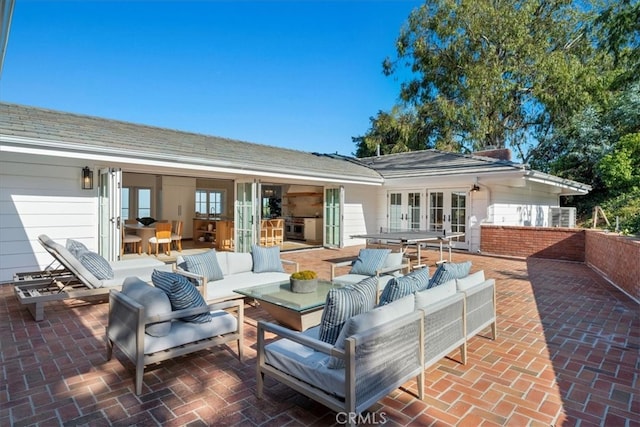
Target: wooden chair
[(277, 231), (162, 237), (130, 239), (176, 234), (266, 233)]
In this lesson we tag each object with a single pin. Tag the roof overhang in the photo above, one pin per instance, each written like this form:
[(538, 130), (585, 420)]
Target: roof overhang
[(566, 187), (13, 144)]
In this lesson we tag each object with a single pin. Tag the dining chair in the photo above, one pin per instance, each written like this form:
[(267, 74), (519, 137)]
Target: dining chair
[(266, 236), (277, 231), (176, 234), (162, 237), (130, 239)]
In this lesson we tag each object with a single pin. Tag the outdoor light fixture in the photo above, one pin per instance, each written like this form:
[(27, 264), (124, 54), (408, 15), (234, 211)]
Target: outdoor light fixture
[(475, 187), (87, 178)]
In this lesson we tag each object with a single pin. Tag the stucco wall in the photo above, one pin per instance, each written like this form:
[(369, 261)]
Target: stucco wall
[(615, 257)]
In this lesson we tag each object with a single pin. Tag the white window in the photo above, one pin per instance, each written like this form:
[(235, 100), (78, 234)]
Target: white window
[(210, 202)]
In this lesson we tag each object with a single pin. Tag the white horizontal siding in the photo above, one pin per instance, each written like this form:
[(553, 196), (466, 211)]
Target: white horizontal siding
[(359, 214), (41, 196), (529, 206)]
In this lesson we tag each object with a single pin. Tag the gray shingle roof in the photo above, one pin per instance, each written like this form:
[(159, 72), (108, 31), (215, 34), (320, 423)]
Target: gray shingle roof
[(141, 141), (435, 163)]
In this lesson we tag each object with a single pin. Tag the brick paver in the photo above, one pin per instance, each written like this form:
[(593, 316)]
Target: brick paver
[(567, 354)]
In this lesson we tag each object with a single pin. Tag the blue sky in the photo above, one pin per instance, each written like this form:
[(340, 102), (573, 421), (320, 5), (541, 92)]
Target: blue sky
[(304, 75)]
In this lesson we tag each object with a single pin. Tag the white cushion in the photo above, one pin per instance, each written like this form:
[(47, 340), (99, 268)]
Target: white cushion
[(239, 262), (393, 259), (305, 363), (470, 281), (188, 332), (433, 295)]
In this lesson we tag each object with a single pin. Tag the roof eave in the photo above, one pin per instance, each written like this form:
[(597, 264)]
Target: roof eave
[(71, 150)]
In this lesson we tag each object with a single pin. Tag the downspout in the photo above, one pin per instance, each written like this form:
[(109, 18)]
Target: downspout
[(6, 13)]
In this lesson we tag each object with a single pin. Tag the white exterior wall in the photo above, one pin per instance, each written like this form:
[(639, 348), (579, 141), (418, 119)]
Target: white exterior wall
[(42, 195), (360, 212), (527, 206)]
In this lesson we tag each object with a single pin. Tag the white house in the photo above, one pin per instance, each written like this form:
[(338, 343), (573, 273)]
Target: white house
[(140, 170)]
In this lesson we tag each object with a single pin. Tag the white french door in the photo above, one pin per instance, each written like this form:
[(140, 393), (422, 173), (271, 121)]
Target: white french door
[(245, 215), (109, 202), (333, 204), (448, 211), (405, 210)]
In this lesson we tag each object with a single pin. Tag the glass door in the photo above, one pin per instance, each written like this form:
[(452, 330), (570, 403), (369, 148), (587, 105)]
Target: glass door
[(245, 215), (333, 202), (448, 211), (109, 202), (405, 211)]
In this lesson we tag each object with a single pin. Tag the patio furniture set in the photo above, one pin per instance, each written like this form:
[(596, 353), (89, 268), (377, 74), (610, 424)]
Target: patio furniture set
[(347, 345)]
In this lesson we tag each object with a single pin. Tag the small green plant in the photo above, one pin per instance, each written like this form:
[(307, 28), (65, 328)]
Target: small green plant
[(304, 275)]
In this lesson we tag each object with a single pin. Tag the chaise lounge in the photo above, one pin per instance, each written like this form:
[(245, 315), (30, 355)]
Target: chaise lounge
[(85, 274)]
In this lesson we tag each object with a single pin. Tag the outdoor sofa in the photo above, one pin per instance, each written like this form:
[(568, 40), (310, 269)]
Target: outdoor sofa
[(217, 273), (375, 338), (86, 274)]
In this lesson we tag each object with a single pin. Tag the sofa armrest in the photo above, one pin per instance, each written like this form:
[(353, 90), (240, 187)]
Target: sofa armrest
[(293, 263), (296, 336), (339, 264), (404, 267)]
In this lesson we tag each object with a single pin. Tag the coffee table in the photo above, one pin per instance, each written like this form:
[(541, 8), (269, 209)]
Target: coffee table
[(294, 310)]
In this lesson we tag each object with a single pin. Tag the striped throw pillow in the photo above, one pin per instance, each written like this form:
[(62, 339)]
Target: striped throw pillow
[(204, 264), (369, 261), (442, 275), (459, 270), (343, 303), (76, 248), (96, 264), (266, 259), (402, 286), (182, 294)]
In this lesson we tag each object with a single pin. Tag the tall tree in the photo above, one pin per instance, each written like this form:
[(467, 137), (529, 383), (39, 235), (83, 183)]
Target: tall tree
[(495, 73)]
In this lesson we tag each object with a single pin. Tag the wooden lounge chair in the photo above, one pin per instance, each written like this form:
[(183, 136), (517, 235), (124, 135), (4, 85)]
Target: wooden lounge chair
[(73, 280)]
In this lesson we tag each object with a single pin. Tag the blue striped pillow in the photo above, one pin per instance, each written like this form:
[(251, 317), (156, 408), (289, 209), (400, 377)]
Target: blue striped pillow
[(442, 275), (266, 259), (96, 264), (369, 261), (402, 286), (181, 293), (204, 264), (459, 270), (343, 303), (76, 248)]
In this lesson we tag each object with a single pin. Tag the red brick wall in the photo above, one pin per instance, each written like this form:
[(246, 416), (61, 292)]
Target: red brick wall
[(538, 242), (617, 258)]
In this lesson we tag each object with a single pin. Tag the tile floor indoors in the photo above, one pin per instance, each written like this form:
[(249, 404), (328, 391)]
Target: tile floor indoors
[(567, 354)]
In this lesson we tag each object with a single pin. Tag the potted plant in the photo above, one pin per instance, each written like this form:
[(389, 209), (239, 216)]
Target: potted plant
[(304, 282)]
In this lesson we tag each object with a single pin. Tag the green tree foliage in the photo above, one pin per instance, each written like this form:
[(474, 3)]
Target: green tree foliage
[(493, 73)]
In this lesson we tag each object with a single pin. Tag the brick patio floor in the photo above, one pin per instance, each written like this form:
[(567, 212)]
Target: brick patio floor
[(567, 353)]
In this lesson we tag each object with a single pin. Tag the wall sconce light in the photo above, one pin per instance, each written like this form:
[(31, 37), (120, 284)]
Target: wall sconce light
[(475, 187), (87, 178)]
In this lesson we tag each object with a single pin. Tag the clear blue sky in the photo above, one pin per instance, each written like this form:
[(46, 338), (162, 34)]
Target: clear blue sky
[(301, 74)]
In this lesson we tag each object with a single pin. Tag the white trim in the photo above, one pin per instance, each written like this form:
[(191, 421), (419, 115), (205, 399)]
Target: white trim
[(69, 150)]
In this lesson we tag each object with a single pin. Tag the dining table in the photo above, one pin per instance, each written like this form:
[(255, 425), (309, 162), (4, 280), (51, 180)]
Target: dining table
[(144, 231)]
